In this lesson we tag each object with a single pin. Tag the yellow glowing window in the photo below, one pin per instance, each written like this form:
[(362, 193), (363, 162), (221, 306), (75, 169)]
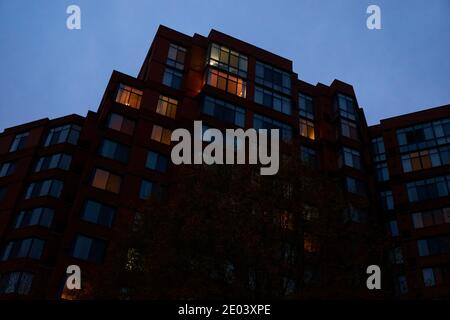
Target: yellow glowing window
[(167, 106), (129, 96), (161, 134), (226, 82), (310, 244), (307, 129), (106, 181)]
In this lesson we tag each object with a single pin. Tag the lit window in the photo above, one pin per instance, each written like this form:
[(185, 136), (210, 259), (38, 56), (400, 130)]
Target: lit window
[(161, 134), (129, 96), (310, 244), (176, 56), (307, 129), (106, 181), (167, 106), (228, 60), (226, 82)]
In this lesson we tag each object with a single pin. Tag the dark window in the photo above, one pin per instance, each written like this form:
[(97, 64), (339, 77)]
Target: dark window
[(424, 135), (349, 129), (356, 186), (262, 122), (60, 161), (156, 161), (273, 100), (428, 189), (113, 150), (387, 200), (2, 193), (23, 248), (36, 216), (89, 249), (120, 123), (16, 282), (308, 156), (382, 171), (350, 158), (176, 56), (44, 188), (224, 111), (173, 78), (431, 217), (346, 106), (64, 134), (7, 169), (306, 106), (273, 78), (19, 142), (146, 189), (98, 213)]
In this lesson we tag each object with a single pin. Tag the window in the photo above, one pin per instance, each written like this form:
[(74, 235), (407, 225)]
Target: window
[(308, 156), (2, 193), (88, 249), (428, 189), (346, 106), (262, 122), (354, 214), (387, 200), (7, 169), (156, 161), (98, 213), (429, 278), (34, 217), (64, 134), (224, 111), (307, 129), (431, 218), (167, 106), (173, 78), (378, 149), (310, 243), (226, 82), (16, 282), (23, 248), (402, 285), (306, 106), (120, 123), (393, 228), (129, 96), (382, 172), (55, 161), (113, 150), (161, 134), (19, 142), (424, 135), (425, 159), (228, 60), (273, 78), (433, 246), (350, 158), (176, 56), (146, 189), (106, 181), (396, 255), (349, 129), (273, 100), (51, 188), (356, 186)]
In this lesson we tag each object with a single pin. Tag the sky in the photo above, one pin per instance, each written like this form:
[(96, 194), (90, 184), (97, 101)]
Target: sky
[(47, 70)]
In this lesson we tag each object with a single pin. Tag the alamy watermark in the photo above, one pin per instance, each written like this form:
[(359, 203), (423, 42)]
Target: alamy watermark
[(234, 145)]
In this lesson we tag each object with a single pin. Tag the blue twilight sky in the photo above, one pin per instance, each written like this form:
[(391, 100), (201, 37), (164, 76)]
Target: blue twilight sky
[(47, 70)]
